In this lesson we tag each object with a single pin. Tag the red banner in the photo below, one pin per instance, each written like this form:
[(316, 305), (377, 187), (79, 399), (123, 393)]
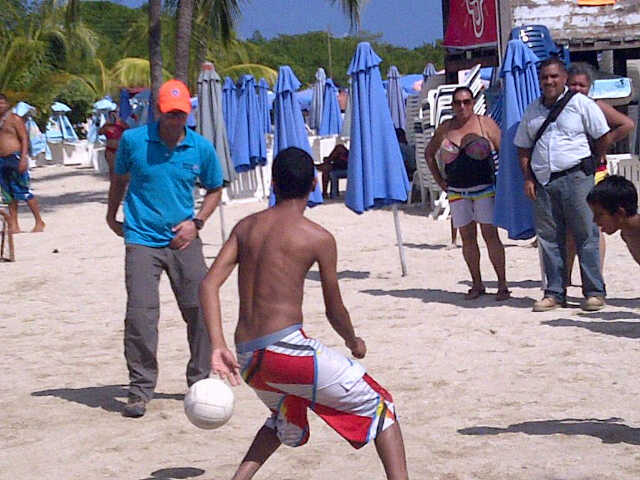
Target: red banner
[(472, 23)]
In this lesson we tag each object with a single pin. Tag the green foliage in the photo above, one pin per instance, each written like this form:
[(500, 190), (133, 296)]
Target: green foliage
[(77, 51), (111, 22), (79, 97), (306, 52)]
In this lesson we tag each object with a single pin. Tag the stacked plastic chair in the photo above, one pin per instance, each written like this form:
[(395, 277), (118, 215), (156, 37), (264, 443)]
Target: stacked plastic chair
[(538, 39)]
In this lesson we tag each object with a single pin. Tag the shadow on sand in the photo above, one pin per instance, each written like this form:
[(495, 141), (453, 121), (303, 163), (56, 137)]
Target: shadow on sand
[(175, 473), (617, 329), (345, 274), (511, 284), (436, 295), (609, 430), (105, 397)]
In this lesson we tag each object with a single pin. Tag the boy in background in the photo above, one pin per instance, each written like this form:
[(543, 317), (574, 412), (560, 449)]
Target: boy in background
[(614, 202)]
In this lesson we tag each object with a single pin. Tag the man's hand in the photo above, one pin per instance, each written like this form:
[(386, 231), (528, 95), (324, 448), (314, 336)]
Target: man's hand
[(23, 165), (530, 188), (115, 226), (185, 233), (225, 365), (357, 347)]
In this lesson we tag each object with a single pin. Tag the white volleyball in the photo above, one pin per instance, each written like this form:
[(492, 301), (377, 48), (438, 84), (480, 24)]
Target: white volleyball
[(209, 403)]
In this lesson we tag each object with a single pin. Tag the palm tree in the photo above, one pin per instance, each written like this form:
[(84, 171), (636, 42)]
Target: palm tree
[(155, 45), (221, 16)]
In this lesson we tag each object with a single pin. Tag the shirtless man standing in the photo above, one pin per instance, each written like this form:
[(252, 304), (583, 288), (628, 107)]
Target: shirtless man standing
[(290, 372), (14, 162)]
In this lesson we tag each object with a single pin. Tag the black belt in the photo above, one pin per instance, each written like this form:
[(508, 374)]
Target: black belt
[(555, 175)]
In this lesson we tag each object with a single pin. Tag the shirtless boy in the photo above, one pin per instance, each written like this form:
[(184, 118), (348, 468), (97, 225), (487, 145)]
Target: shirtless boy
[(614, 202), (290, 372), (14, 161)]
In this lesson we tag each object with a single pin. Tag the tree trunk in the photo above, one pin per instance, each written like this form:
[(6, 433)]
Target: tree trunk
[(155, 49), (183, 38)]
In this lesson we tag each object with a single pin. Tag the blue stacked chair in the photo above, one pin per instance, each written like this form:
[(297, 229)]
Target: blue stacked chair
[(538, 39)]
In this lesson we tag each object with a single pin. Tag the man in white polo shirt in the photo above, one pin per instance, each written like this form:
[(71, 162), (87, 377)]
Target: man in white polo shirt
[(557, 179)]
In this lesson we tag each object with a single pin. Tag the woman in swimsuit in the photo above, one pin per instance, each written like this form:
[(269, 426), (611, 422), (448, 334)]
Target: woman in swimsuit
[(113, 130), (580, 80), (466, 144)]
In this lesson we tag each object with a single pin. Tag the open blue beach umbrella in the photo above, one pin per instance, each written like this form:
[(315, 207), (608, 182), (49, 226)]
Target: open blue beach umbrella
[(331, 123), (514, 211), (290, 130), (395, 99), (264, 105), (376, 173), (317, 100), (229, 106), (248, 148)]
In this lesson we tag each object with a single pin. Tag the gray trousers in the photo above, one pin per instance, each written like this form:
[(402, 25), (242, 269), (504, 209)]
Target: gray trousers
[(143, 268), (560, 205)]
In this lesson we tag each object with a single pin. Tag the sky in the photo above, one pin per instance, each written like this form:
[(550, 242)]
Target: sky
[(405, 23)]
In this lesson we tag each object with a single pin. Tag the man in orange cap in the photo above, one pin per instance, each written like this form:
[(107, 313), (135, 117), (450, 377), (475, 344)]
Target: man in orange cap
[(160, 163)]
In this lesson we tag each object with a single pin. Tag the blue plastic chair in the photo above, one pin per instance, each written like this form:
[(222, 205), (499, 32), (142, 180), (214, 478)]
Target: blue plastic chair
[(538, 39)]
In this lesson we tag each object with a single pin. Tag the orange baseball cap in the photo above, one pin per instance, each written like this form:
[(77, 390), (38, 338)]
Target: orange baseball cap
[(174, 95)]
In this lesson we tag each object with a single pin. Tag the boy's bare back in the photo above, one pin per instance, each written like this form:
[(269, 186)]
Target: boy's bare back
[(631, 236), (275, 250)]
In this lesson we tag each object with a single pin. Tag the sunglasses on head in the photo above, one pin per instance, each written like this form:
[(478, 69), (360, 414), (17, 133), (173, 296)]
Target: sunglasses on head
[(466, 101)]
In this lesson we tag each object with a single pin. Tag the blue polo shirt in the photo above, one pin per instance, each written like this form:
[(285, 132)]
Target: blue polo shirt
[(160, 193)]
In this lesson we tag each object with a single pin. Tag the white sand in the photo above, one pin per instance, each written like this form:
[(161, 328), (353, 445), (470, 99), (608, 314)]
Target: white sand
[(483, 390)]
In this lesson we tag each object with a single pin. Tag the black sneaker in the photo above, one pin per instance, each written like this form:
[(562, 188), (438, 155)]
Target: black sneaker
[(136, 407)]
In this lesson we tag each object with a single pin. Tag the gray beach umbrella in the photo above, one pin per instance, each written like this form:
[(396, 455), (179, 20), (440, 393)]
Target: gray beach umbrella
[(211, 124), (317, 100), (210, 119)]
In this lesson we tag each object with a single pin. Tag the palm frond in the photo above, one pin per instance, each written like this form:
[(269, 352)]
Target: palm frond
[(258, 71), (134, 72)]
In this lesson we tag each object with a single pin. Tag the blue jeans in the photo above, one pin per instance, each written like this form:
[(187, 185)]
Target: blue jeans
[(559, 205)]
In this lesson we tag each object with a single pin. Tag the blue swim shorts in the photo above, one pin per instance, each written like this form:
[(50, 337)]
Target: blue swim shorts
[(14, 185)]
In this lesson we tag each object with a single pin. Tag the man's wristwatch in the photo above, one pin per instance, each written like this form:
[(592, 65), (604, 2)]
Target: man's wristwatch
[(199, 223)]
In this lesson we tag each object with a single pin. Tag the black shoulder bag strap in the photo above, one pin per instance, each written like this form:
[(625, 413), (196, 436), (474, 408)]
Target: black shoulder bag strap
[(556, 109)]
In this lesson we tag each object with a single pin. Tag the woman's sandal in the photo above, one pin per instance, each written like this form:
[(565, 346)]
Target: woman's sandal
[(503, 295), (474, 293)]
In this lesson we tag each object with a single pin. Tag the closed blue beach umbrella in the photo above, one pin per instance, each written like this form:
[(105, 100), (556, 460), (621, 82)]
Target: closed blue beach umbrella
[(317, 100), (59, 127), (376, 173), (395, 99), (263, 103), (514, 211), (289, 124), (429, 71), (229, 106), (331, 123), (125, 106), (248, 148)]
